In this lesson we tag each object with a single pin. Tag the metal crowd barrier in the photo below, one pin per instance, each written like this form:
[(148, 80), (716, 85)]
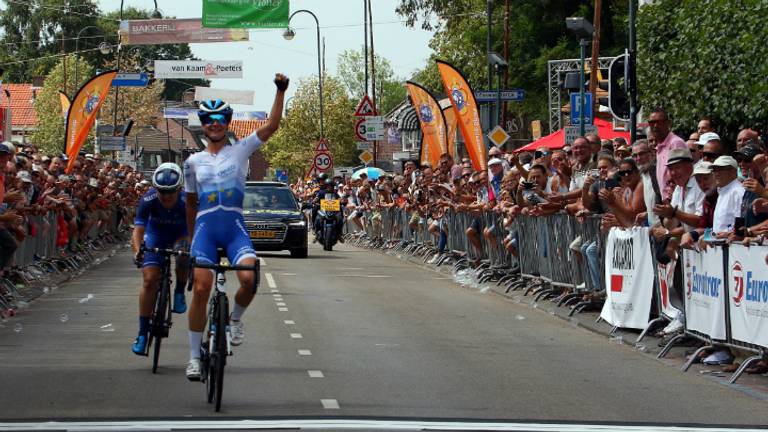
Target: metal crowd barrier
[(43, 243)]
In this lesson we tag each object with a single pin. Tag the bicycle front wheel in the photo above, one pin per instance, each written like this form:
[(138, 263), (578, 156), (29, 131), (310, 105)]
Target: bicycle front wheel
[(221, 348), (158, 321)]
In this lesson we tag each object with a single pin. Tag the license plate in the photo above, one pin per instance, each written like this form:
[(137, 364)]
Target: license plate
[(330, 205), (262, 234)]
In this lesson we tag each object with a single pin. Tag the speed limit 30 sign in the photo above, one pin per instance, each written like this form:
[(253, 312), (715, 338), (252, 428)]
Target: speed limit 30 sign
[(323, 162)]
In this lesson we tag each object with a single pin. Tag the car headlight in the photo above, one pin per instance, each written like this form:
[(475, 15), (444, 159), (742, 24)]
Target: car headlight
[(297, 224)]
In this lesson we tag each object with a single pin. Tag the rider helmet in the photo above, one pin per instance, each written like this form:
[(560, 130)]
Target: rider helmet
[(215, 109), (322, 177), (167, 177)]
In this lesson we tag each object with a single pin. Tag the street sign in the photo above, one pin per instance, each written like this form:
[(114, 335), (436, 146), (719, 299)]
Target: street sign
[(576, 106), (281, 175), (178, 113), (364, 145), (323, 162), (572, 132), (514, 95), (111, 143), (498, 136), (369, 129), (130, 80), (322, 146), (126, 158), (365, 107), (366, 157)]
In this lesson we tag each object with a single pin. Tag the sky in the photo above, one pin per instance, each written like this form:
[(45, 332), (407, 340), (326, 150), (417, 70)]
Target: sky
[(341, 24)]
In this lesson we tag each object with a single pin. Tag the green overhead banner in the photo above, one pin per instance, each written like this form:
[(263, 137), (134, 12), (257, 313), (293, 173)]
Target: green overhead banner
[(245, 13)]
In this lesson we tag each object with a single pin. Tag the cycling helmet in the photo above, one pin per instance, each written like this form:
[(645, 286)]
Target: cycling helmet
[(322, 177), (329, 182), (215, 108), (167, 177)]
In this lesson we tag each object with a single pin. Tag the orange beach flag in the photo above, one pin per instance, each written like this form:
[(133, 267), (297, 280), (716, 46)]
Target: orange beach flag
[(450, 128), (432, 123), (65, 103), (465, 107), (82, 113)]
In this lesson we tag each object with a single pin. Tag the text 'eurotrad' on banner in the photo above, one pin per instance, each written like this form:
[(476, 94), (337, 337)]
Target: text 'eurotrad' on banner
[(245, 13)]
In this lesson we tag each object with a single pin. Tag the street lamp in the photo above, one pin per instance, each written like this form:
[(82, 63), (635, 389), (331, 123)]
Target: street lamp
[(499, 65), (289, 34), (584, 30), (104, 48)]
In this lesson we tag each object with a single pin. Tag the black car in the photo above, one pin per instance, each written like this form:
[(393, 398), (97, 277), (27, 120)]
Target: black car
[(274, 219)]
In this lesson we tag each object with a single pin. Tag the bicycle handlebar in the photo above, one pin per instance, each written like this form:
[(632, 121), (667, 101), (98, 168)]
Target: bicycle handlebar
[(166, 252), (226, 267)]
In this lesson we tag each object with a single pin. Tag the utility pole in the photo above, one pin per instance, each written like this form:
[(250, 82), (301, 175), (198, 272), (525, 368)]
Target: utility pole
[(365, 41), (373, 80), (488, 49), (506, 59), (595, 52), (631, 68)]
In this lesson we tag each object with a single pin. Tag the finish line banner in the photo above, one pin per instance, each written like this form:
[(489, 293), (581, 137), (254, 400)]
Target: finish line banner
[(703, 279), (198, 69), (175, 31), (245, 13), (628, 278), (748, 294)]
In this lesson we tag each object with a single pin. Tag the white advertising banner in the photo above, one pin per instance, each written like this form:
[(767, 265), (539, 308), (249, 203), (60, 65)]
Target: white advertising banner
[(628, 278), (704, 282), (243, 97), (748, 293), (666, 273), (198, 69)]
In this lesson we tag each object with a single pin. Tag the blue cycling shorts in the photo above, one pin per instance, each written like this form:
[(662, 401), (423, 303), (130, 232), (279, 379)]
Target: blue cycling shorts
[(152, 259), (219, 230)]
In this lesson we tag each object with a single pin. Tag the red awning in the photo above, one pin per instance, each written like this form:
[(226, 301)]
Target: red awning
[(557, 140)]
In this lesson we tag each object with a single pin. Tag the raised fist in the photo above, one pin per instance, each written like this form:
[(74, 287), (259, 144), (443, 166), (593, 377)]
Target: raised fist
[(281, 81)]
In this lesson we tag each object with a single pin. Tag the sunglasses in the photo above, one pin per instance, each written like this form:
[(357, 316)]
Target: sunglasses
[(209, 119), (624, 173), (539, 154), (710, 155)]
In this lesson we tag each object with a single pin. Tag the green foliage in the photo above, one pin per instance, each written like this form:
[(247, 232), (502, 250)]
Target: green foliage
[(537, 34), (351, 71), (49, 135), (705, 58), (292, 147)]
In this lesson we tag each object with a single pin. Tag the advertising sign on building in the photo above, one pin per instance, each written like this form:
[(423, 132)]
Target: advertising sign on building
[(175, 31), (200, 69)]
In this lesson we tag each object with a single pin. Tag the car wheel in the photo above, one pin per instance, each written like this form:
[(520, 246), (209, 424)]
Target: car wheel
[(299, 253)]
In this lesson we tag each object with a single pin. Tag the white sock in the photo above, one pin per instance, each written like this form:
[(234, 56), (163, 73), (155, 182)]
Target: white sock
[(237, 312), (195, 339)]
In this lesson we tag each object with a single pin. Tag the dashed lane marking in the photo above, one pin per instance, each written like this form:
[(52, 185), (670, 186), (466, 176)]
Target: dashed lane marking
[(280, 304), (282, 309), (330, 403), (305, 352), (296, 336), (289, 322), (277, 295), (270, 280), (315, 374)]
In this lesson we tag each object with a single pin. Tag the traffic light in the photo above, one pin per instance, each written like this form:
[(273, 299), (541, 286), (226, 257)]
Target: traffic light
[(616, 85)]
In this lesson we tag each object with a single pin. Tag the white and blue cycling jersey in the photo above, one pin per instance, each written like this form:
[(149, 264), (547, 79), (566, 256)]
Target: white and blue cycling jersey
[(219, 182), (163, 228)]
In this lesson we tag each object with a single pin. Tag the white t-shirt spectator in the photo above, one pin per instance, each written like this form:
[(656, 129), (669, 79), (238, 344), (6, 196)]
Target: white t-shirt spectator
[(689, 199), (728, 207)]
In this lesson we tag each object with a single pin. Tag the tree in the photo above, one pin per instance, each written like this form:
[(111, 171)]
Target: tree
[(293, 145), (351, 71), (537, 35), (693, 61), (49, 134)]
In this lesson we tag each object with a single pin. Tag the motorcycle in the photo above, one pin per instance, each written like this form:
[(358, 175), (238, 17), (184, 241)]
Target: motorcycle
[(328, 216)]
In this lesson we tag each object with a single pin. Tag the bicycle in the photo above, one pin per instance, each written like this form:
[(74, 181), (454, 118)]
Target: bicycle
[(160, 323), (217, 345)]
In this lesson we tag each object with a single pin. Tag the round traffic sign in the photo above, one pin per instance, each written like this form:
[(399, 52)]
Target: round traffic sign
[(361, 129), (323, 161)]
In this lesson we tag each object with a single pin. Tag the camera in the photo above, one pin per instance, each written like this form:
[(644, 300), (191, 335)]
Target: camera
[(527, 185)]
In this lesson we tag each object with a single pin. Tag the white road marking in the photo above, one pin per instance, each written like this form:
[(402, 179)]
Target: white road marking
[(366, 276), (289, 322), (262, 262), (270, 280), (280, 304), (283, 309), (296, 336), (330, 403), (315, 374), (339, 424), (277, 295), (305, 352), (274, 291), (287, 274), (351, 268)]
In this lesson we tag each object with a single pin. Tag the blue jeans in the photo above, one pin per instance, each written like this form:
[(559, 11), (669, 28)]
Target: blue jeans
[(592, 257)]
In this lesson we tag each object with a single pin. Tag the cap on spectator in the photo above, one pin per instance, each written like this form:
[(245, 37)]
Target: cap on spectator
[(707, 137), (64, 157), (494, 151), (624, 148), (144, 182), (747, 153), (495, 161), (89, 156), (24, 176), (4, 149), (45, 159), (702, 168), (63, 178), (679, 155), (726, 162), (10, 146), (93, 182)]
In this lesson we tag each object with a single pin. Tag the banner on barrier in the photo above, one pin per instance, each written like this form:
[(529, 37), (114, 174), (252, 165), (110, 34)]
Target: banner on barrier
[(703, 279), (666, 273), (628, 278), (748, 294)]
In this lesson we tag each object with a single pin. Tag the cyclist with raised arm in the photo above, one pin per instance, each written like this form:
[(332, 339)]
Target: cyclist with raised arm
[(215, 186), (160, 223)]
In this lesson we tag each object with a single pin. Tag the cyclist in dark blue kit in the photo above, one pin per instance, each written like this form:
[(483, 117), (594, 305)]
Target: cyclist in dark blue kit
[(160, 223)]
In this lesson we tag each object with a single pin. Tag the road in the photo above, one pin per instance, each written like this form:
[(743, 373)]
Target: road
[(346, 334)]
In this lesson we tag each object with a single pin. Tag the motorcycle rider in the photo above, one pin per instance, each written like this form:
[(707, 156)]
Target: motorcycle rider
[(328, 186)]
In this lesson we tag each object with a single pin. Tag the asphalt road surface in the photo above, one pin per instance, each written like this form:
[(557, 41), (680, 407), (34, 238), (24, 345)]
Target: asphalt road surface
[(345, 334)]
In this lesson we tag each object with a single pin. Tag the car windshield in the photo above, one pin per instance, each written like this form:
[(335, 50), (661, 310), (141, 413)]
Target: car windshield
[(268, 197)]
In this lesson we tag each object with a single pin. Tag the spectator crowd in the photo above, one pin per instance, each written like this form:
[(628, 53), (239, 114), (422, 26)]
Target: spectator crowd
[(38, 199), (689, 192)]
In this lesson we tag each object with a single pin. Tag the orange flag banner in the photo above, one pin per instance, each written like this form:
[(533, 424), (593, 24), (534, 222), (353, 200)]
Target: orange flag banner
[(450, 127), (432, 123), (468, 116), (65, 103), (82, 113)]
